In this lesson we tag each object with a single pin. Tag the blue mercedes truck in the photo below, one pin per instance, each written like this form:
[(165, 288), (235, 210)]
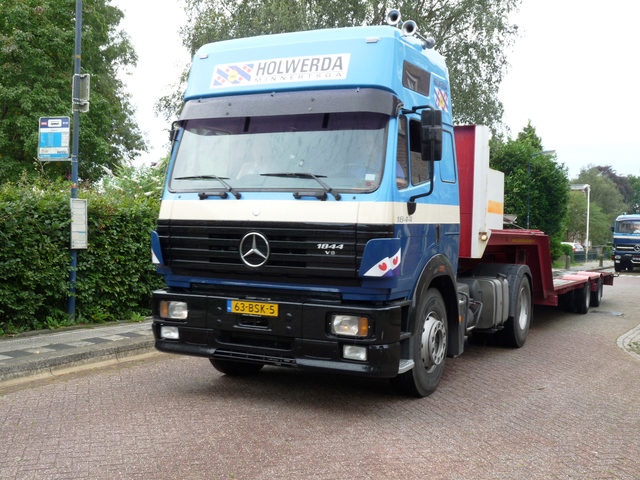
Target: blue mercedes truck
[(321, 212), (626, 242)]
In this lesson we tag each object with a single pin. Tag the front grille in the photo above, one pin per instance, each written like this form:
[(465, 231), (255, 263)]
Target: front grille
[(628, 248), (325, 254)]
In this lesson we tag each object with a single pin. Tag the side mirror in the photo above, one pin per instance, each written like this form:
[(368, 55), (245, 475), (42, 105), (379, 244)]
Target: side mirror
[(431, 135)]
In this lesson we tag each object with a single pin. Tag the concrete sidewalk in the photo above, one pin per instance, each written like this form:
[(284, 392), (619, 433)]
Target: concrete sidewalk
[(49, 352), (46, 352)]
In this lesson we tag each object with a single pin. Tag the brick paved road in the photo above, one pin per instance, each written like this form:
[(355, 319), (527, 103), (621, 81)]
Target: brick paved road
[(565, 406)]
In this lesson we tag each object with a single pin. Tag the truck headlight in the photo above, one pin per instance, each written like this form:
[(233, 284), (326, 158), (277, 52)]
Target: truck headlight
[(173, 310), (350, 325), (169, 333), (354, 352)]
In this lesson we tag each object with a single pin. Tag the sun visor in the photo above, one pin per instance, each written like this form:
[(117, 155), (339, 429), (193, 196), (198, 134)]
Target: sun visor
[(292, 103)]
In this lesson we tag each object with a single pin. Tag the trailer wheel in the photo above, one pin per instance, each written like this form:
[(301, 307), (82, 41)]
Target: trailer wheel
[(428, 346), (596, 295), (516, 328), (236, 369), (582, 298)]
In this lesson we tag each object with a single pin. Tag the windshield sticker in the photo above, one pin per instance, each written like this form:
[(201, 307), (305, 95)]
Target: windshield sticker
[(292, 69), (441, 95)]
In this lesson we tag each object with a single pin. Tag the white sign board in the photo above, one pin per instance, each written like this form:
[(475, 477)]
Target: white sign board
[(53, 138), (278, 70), (79, 224)]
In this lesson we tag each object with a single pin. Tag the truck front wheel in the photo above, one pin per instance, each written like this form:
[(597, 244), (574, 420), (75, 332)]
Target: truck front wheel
[(229, 367), (429, 347), (516, 328)]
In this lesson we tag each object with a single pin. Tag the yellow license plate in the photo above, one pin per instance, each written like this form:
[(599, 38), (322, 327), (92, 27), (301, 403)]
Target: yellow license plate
[(244, 307)]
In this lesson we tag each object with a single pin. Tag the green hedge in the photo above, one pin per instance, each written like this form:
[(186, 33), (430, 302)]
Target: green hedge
[(567, 250), (115, 277)]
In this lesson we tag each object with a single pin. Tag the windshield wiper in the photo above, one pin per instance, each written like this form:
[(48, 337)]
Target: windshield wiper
[(299, 195), (204, 195)]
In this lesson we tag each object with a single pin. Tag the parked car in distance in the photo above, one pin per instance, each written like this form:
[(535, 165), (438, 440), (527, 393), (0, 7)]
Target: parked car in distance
[(576, 246)]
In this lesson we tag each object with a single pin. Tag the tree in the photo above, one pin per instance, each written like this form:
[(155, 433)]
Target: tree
[(634, 203), (528, 134), (604, 192), (599, 226), (536, 186), (622, 183), (36, 70), (473, 35)]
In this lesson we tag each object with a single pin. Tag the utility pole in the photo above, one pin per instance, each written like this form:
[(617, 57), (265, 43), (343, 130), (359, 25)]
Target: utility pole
[(78, 106)]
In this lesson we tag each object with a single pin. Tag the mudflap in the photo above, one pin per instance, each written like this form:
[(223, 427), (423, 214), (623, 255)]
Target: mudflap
[(455, 345)]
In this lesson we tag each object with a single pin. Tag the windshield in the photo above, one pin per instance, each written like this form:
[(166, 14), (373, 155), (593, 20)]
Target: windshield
[(628, 226), (343, 150)]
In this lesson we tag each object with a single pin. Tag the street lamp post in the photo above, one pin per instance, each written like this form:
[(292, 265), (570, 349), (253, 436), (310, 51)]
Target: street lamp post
[(535, 154), (585, 188)]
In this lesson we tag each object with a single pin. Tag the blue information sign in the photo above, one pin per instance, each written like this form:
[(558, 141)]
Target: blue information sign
[(54, 138)]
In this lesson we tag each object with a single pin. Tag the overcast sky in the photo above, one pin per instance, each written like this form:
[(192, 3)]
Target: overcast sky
[(573, 74), (161, 59)]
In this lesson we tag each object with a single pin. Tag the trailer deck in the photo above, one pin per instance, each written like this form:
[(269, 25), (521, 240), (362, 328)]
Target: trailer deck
[(531, 247)]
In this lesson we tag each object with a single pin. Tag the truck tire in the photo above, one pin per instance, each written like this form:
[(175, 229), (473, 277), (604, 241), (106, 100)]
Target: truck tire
[(516, 328), (428, 346), (617, 267), (582, 298), (236, 369), (596, 295)]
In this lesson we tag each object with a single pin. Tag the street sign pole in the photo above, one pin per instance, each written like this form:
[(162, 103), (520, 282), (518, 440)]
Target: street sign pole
[(71, 303)]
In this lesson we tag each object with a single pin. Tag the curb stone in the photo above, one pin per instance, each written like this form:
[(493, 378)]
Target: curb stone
[(630, 342)]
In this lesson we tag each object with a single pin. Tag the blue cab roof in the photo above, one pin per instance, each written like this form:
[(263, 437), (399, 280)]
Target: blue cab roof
[(352, 57)]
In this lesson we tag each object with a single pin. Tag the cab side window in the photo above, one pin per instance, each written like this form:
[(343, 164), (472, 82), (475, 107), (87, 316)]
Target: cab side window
[(419, 168), (447, 164), (409, 164), (402, 157)]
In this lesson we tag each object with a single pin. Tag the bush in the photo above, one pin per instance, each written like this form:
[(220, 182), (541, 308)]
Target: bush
[(115, 274), (34, 255), (567, 250), (115, 277), (557, 248)]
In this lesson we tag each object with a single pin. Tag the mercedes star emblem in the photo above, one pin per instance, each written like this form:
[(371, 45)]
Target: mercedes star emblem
[(254, 249)]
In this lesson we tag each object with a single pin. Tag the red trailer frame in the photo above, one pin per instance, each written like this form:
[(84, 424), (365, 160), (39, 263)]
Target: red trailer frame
[(531, 248)]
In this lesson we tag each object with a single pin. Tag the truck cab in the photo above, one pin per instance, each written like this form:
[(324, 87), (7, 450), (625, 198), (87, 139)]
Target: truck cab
[(311, 216), (626, 242)]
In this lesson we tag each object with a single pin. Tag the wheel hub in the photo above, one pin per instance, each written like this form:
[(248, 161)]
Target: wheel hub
[(523, 318), (433, 343)]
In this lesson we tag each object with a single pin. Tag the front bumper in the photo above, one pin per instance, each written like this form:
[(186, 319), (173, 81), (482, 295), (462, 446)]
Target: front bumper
[(298, 337), (627, 259)]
